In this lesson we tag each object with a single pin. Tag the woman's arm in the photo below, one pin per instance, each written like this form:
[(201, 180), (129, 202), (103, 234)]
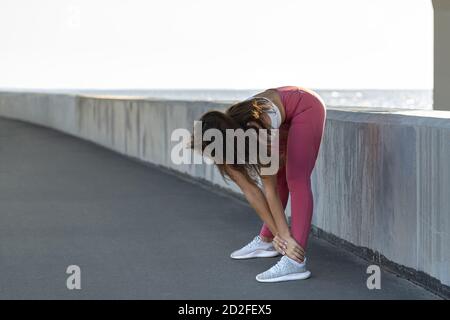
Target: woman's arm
[(255, 197), (285, 244), (274, 202), (283, 239)]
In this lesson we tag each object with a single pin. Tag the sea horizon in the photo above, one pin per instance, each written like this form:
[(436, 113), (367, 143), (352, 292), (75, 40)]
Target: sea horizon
[(371, 98)]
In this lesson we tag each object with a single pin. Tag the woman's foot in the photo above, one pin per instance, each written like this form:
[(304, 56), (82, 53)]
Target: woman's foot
[(257, 248), (286, 269)]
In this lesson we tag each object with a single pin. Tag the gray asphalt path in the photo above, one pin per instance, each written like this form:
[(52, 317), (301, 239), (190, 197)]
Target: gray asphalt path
[(138, 232)]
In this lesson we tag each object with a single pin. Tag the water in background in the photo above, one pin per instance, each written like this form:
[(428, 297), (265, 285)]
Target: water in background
[(408, 99)]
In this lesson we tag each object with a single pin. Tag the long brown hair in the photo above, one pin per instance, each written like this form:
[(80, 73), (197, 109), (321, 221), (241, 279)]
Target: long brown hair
[(244, 115)]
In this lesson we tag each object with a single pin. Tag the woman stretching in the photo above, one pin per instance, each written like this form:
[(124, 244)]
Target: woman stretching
[(299, 114)]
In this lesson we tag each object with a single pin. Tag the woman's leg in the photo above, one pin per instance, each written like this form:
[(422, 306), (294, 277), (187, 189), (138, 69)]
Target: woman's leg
[(304, 140), (283, 192)]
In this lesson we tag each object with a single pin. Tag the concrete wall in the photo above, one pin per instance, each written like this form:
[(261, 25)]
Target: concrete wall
[(441, 92), (382, 180)]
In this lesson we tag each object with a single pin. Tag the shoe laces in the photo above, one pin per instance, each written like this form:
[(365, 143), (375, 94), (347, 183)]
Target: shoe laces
[(254, 242), (279, 265)]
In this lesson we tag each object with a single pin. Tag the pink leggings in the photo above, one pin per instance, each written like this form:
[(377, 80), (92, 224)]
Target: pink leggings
[(304, 124)]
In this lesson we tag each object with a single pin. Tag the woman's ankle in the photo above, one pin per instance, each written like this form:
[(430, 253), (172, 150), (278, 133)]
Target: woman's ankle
[(266, 239)]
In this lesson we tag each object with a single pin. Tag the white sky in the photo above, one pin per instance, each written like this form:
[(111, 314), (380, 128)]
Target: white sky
[(216, 43)]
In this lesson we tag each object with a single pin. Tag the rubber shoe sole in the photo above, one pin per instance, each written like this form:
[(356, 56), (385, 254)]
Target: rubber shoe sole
[(257, 254), (288, 277)]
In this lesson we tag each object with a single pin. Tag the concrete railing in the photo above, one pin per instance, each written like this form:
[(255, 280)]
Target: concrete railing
[(381, 183)]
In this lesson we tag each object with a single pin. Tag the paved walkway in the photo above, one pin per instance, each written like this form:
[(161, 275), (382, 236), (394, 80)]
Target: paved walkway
[(137, 232)]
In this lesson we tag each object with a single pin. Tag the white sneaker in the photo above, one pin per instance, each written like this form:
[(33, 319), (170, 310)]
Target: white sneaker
[(257, 248), (286, 269)]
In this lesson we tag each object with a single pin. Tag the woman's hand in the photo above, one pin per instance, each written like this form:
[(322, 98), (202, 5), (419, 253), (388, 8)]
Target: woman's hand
[(287, 245), (279, 245)]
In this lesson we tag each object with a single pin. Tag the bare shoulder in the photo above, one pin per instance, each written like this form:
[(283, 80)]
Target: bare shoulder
[(273, 96)]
